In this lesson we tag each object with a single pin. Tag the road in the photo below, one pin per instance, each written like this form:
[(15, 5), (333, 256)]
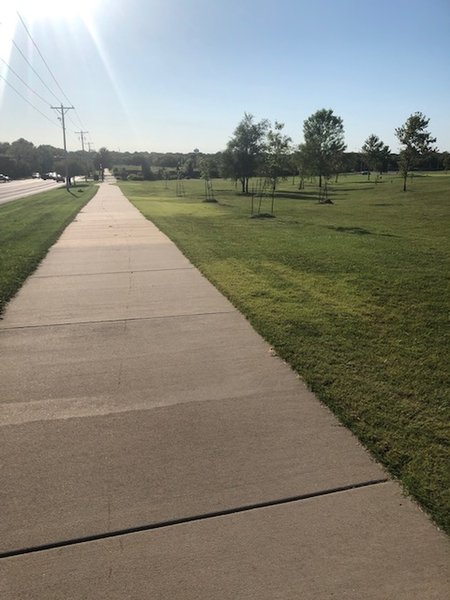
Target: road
[(13, 190)]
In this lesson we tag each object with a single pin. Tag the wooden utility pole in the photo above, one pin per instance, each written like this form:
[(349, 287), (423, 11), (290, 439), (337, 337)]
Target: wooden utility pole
[(62, 110), (81, 134)]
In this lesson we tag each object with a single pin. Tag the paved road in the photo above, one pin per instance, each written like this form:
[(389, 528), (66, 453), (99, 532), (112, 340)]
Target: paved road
[(25, 187), (154, 448)]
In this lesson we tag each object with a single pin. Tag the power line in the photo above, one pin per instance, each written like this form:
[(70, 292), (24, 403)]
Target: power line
[(51, 73), (43, 59), (79, 119), (34, 70), (72, 121), (24, 82), (30, 103), (40, 78)]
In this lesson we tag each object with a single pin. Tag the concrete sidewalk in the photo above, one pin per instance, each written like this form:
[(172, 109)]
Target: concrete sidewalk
[(153, 447)]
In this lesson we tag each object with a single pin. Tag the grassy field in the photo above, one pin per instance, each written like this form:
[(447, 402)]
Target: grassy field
[(28, 227), (354, 295)]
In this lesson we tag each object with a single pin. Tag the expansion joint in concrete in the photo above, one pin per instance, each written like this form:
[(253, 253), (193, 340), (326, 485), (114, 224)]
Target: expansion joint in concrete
[(191, 519)]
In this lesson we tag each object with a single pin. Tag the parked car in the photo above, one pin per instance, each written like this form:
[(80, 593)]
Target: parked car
[(60, 178), (4, 178)]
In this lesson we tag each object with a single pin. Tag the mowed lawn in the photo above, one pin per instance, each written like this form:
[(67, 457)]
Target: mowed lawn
[(354, 295), (28, 227)]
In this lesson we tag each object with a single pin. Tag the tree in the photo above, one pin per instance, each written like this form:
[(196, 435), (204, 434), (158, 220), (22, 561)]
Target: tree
[(46, 157), (24, 156), (445, 160), (417, 143), (244, 150), (276, 155), (376, 154), (102, 161), (303, 164), (142, 159), (323, 133)]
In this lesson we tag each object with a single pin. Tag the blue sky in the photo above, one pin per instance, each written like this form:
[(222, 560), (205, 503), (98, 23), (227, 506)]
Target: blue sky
[(173, 75)]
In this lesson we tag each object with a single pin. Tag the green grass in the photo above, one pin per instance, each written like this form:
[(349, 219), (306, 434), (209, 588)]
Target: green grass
[(354, 295), (28, 227)]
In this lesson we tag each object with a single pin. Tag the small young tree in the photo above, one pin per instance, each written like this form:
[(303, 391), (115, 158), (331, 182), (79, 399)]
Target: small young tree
[(276, 156), (303, 163), (417, 143), (375, 153)]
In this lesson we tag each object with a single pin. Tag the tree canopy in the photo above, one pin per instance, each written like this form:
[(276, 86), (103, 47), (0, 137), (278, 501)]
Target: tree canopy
[(376, 154), (323, 133), (243, 154), (276, 153), (417, 142)]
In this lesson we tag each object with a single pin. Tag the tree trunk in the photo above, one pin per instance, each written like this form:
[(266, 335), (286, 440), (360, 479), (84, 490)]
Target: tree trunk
[(404, 181), (320, 181), (243, 185)]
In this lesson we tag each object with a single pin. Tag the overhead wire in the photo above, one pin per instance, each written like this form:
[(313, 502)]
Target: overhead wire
[(35, 72), (24, 82), (26, 100), (40, 79), (42, 58)]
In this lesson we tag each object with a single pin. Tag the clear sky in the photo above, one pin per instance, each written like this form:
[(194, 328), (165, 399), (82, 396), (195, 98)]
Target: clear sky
[(174, 75)]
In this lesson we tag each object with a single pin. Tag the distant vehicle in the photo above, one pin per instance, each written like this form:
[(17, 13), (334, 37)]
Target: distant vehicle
[(36, 175), (51, 175), (60, 178), (4, 178)]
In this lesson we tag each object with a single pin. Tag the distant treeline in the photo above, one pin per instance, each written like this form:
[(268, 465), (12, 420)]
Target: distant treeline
[(22, 158)]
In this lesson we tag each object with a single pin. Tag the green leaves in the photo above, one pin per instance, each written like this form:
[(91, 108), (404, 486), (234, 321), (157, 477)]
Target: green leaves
[(417, 142), (323, 133), (376, 153)]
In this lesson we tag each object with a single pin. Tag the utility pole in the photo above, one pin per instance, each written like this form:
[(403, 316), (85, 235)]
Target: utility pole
[(62, 110), (81, 134)]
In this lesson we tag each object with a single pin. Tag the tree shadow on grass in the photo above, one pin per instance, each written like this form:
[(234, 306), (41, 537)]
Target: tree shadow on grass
[(352, 189), (298, 195), (358, 231)]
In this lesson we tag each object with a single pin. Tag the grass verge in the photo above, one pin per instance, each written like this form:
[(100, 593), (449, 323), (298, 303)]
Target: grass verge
[(354, 295), (28, 227)]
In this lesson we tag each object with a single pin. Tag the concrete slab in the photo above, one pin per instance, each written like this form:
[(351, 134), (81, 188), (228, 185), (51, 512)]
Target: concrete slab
[(127, 423), (113, 296), (112, 258), (370, 544), (155, 361)]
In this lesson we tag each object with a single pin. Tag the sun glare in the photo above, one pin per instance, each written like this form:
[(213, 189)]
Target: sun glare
[(56, 9)]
